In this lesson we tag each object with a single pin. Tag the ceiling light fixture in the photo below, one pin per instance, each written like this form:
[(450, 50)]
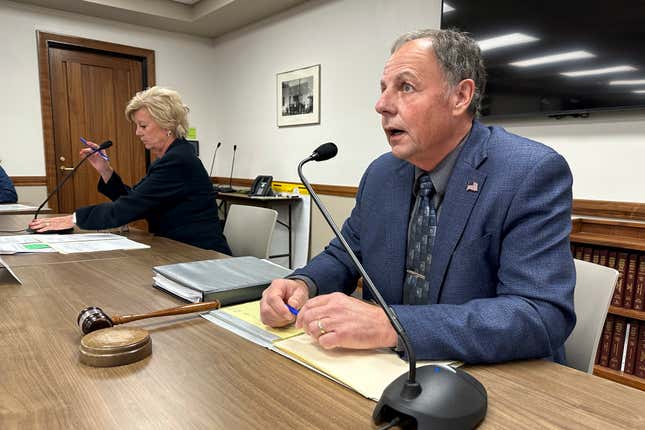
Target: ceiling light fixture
[(505, 40), (447, 8), (601, 71), (627, 82), (556, 58)]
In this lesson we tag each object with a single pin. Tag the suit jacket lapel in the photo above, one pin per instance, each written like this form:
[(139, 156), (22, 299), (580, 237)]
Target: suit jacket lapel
[(459, 200), (397, 229)]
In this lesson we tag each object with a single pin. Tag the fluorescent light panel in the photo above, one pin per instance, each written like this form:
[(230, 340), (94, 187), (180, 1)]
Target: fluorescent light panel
[(447, 8), (627, 82), (602, 71), (505, 40), (640, 91), (565, 56)]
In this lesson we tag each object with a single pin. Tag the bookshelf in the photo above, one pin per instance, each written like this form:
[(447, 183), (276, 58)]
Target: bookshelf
[(619, 236)]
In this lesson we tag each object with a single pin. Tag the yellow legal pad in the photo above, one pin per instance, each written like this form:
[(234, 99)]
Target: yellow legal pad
[(250, 313), (368, 372)]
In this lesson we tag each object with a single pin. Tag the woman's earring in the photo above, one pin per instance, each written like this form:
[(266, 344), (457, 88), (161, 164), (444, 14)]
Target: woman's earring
[(169, 132)]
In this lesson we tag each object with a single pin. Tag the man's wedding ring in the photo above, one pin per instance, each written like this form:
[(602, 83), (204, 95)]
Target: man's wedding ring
[(321, 328)]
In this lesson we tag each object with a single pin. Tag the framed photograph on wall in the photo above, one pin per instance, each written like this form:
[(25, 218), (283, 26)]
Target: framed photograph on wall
[(298, 98)]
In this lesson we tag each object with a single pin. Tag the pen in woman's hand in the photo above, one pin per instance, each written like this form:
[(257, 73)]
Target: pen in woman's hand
[(102, 154)]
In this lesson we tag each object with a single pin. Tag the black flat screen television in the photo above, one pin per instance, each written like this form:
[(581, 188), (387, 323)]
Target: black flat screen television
[(556, 57)]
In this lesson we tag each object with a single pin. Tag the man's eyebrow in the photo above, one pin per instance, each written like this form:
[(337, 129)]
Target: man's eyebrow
[(402, 76)]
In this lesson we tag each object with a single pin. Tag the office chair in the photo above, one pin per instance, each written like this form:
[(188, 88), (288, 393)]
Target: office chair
[(249, 229), (591, 298)]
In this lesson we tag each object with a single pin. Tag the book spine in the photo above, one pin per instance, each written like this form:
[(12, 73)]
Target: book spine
[(623, 358), (640, 355), (611, 259), (630, 282), (639, 294), (632, 344), (602, 256), (621, 263), (605, 345), (578, 253), (587, 253), (617, 342), (595, 256)]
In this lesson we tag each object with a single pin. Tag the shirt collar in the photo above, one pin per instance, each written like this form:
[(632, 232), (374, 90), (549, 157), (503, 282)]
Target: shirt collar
[(441, 173)]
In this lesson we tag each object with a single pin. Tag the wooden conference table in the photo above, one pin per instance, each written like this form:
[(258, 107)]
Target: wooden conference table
[(201, 376)]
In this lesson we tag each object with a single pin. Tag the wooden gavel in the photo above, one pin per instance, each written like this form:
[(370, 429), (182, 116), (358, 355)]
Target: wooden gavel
[(93, 318)]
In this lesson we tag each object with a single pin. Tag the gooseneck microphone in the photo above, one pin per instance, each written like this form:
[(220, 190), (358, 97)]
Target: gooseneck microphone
[(102, 146), (438, 397), (210, 174), (229, 189)]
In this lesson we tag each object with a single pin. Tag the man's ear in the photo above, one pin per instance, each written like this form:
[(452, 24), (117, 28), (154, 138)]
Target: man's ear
[(462, 95)]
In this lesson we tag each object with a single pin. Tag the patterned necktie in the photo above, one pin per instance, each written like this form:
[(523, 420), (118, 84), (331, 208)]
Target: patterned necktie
[(421, 234)]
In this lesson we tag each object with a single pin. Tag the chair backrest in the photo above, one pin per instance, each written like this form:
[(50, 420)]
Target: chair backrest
[(249, 229), (594, 289)]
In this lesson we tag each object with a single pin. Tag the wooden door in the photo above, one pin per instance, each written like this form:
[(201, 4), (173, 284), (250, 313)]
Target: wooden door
[(89, 94)]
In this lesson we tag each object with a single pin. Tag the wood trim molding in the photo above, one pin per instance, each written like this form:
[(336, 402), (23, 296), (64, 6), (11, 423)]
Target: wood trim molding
[(608, 209), (29, 181), (619, 234), (45, 40), (598, 208)]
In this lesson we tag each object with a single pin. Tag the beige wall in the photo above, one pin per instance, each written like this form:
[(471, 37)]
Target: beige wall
[(340, 209), (31, 195)]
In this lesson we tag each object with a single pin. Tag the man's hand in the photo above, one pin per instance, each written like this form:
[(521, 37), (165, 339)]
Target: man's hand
[(340, 321), (273, 309)]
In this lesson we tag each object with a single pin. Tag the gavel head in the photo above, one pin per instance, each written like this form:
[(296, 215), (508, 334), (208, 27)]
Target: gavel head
[(93, 318)]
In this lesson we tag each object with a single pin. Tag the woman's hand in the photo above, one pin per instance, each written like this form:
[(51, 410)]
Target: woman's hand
[(41, 225), (100, 164)]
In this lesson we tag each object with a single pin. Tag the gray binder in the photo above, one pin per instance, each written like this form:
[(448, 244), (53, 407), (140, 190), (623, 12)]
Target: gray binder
[(229, 280)]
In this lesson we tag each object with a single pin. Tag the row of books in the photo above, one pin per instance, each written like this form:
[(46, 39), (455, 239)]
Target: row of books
[(622, 345), (630, 287)]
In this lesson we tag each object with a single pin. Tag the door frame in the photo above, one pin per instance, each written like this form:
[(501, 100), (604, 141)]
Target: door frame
[(47, 40)]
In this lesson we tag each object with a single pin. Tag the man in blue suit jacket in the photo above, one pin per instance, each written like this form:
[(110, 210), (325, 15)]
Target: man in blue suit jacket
[(501, 277)]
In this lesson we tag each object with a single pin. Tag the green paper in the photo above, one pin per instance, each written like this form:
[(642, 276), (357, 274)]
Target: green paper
[(36, 246), (192, 133)]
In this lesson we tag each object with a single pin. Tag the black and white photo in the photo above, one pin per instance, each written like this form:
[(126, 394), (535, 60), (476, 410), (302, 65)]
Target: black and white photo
[(298, 96)]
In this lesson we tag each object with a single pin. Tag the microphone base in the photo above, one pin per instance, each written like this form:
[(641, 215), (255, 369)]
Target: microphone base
[(63, 231), (448, 399), (220, 189)]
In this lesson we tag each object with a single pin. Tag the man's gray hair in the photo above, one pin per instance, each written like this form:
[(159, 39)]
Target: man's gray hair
[(459, 57)]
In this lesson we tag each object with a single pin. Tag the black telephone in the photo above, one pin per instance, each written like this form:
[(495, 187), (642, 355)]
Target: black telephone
[(261, 186)]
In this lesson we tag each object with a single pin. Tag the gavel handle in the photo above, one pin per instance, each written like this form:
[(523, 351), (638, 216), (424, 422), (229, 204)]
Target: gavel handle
[(186, 309)]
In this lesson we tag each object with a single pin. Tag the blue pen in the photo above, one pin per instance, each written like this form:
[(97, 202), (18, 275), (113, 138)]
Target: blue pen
[(292, 310), (101, 153)]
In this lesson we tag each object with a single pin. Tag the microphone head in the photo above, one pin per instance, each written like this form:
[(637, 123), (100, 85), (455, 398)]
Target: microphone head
[(234, 147), (219, 144), (325, 152), (106, 144)]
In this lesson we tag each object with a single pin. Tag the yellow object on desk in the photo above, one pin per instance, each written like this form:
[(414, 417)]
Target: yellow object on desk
[(289, 188), (368, 372), (250, 313)]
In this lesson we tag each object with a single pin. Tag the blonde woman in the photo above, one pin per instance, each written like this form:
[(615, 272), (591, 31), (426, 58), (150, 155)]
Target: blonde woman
[(175, 197)]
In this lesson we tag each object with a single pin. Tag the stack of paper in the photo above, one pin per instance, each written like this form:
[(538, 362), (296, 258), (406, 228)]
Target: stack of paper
[(67, 243)]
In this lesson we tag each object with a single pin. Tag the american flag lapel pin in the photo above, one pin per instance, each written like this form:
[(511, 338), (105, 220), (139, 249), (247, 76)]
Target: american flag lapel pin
[(472, 186)]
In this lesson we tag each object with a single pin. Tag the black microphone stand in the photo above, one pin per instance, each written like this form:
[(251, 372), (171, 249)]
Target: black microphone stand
[(104, 145), (411, 397), (230, 189), (210, 174)]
